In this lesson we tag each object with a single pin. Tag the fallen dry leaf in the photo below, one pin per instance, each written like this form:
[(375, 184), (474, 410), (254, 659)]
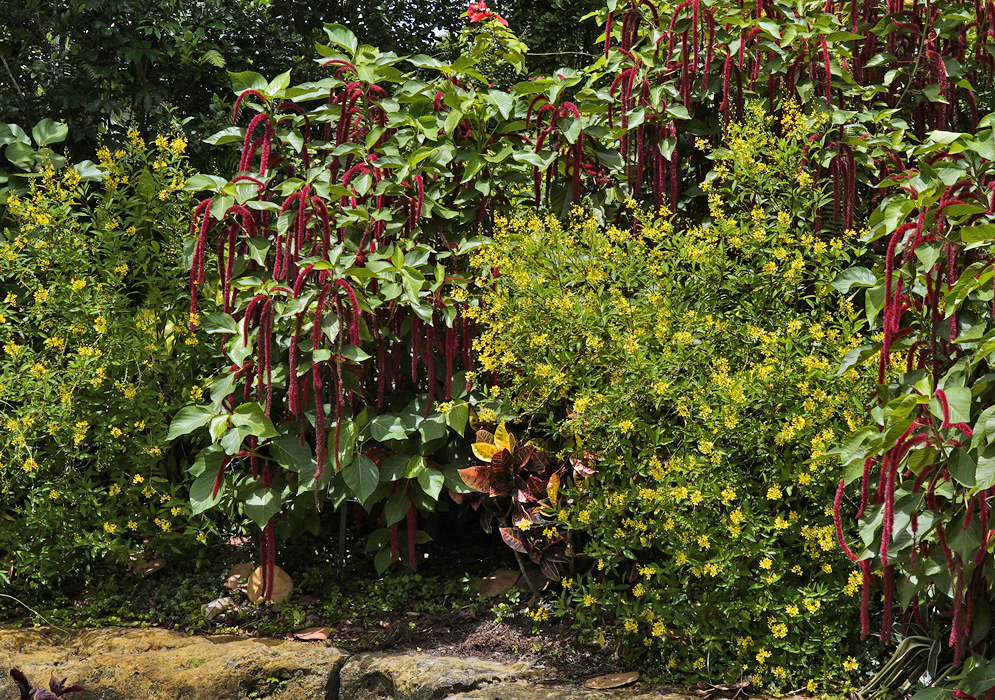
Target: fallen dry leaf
[(612, 680), (238, 575), (282, 585), (216, 607), (147, 568), (313, 633), (497, 583), (721, 691)]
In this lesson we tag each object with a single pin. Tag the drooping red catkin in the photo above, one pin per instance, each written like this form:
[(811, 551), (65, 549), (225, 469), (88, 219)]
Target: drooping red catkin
[(420, 203), (319, 398), (415, 351), (608, 33), (381, 372), (412, 522), (839, 523), (242, 95), (294, 402), (957, 632), (354, 338), (221, 475), (450, 345), (726, 72), (865, 484), (266, 351), (203, 211), (865, 598), (888, 518)]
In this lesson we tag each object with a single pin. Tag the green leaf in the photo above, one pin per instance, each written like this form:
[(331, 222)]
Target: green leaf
[(502, 100), (206, 467), (229, 135), (963, 209), (361, 476), (201, 182), (246, 80), (458, 416), (48, 131), (943, 137), (985, 474), (959, 402), (678, 112), (289, 454), (252, 417), (188, 419), (432, 481), (397, 507), (262, 505), (20, 155), (962, 467), (88, 171), (278, 84), (354, 354), (220, 323), (978, 233), (854, 277), (387, 427), (347, 443), (342, 37), (432, 428)]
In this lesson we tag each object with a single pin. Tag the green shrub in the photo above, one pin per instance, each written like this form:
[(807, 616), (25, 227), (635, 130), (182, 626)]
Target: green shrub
[(693, 367), (93, 353), (921, 472)]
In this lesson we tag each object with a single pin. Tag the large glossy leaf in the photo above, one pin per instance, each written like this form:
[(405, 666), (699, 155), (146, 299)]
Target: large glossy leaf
[(362, 476), (262, 505), (188, 419), (49, 131), (252, 418)]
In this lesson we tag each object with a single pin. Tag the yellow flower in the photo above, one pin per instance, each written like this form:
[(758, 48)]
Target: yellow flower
[(850, 664), (110, 528), (78, 284), (766, 563), (138, 478), (773, 493), (132, 525)]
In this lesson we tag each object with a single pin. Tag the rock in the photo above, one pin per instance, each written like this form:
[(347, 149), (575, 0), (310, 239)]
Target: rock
[(155, 664), (416, 677), (521, 690)]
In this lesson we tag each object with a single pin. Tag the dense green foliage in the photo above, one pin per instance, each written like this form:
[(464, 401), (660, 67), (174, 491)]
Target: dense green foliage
[(694, 369), (91, 325), (653, 261)]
